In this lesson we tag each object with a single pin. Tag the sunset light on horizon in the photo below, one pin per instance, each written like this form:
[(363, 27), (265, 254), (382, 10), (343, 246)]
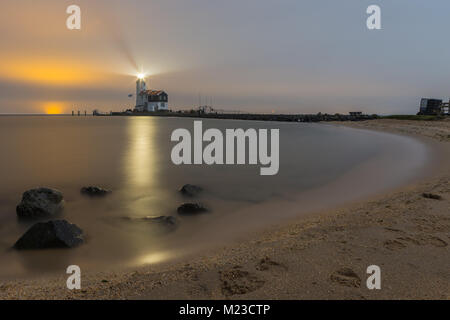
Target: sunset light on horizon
[(54, 107)]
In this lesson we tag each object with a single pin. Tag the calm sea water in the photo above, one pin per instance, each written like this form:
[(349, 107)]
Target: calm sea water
[(320, 166)]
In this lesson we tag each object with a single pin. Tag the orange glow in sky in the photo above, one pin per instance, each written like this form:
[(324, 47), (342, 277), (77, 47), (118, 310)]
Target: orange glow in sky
[(53, 107), (48, 72)]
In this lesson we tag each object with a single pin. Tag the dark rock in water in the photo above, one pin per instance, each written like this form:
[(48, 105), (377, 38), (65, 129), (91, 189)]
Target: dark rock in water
[(51, 234), (191, 208), (94, 191), (165, 220), (40, 202), (190, 190), (168, 221)]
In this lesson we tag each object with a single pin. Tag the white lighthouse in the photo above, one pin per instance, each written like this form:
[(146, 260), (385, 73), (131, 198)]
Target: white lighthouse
[(149, 100), (140, 88)]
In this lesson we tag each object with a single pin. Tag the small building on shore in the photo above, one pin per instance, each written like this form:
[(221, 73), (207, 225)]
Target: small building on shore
[(430, 107), (150, 100)]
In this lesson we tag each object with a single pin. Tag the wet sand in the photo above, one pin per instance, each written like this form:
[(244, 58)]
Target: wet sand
[(324, 256)]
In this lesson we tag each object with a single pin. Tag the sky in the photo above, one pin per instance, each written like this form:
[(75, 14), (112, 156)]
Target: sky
[(282, 56)]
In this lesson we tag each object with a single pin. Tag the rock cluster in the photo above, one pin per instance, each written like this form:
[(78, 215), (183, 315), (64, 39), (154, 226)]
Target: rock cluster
[(46, 202)]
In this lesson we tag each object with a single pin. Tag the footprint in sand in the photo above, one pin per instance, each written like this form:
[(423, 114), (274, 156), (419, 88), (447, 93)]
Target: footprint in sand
[(418, 240), (237, 281), (422, 240), (411, 240), (435, 241), (431, 196), (394, 245), (266, 264), (346, 277), (394, 230)]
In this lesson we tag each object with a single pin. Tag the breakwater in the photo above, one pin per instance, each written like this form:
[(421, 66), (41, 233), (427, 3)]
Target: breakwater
[(251, 116)]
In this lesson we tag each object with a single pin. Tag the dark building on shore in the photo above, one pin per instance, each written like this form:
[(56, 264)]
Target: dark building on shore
[(430, 107)]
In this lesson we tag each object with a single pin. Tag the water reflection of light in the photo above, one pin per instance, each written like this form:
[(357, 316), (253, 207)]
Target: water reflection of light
[(140, 160), (155, 257)]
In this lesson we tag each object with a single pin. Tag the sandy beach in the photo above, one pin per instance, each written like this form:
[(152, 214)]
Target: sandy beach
[(405, 232)]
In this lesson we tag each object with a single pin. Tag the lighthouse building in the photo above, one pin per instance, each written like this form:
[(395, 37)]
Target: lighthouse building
[(150, 100)]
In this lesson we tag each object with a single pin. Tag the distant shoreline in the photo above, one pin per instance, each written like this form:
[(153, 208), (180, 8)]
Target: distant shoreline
[(319, 117), (249, 116), (221, 116)]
